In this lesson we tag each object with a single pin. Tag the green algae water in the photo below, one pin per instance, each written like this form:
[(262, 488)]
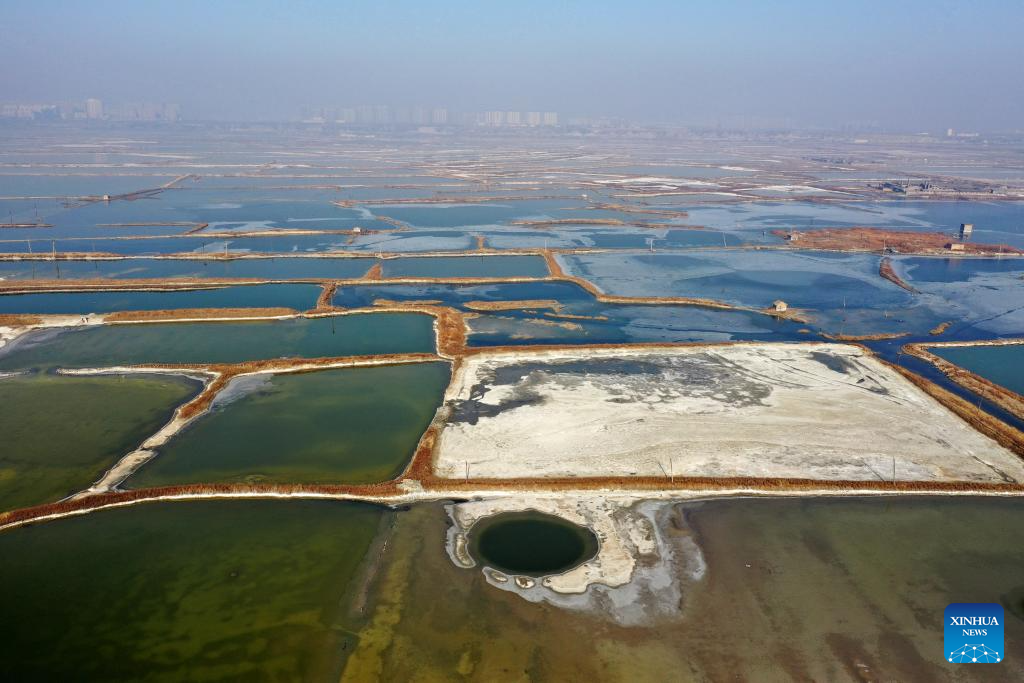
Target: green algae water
[(352, 426), (796, 589), (530, 543), (1003, 365), (226, 590), (59, 434), (221, 342)]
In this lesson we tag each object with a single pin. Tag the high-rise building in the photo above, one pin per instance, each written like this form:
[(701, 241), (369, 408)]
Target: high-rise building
[(550, 118), (513, 118), (93, 108), (439, 115), (494, 118), (533, 118), (364, 114)]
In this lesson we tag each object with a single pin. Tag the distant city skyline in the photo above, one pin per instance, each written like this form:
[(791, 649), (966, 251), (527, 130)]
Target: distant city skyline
[(899, 66), (423, 115), (91, 109)]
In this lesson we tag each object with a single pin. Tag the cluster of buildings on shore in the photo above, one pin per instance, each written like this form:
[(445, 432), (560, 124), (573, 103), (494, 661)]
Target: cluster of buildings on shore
[(91, 110), (382, 114)]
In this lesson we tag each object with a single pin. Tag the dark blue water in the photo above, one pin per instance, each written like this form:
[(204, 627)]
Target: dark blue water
[(593, 322), (466, 266), (531, 543)]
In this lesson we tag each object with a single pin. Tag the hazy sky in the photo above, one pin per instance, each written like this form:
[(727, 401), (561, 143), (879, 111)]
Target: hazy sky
[(900, 63)]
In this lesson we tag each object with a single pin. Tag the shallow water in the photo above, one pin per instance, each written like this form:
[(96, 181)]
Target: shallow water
[(466, 266), (795, 589), (59, 434), (226, 590), (351, 426), (299, 297), (262, 268), (579, 318), (221, 342)]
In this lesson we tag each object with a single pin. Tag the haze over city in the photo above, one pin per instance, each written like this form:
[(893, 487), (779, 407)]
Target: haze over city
[(551, 341), (902, 66)]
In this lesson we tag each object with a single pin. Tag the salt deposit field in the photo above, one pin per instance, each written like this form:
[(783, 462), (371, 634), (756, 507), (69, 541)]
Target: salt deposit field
[(808, 411), (299, 405)]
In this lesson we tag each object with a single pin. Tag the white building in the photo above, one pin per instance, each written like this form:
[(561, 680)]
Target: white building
[(93, 108)]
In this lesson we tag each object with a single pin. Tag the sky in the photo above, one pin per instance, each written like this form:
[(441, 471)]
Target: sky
[(904, 65)]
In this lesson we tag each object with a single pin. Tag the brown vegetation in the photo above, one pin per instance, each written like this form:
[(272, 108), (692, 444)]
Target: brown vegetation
[(940, 328), (864, 337), (18, 320), (885, 270), (112, 285), (327, 291), (877, 239), (513, 305), (198, 314)]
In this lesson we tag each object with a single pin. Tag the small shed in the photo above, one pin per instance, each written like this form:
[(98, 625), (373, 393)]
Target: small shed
[(780, 306), (955, 246)]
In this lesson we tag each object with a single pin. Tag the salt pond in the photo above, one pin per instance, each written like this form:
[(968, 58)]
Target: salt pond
[(220, 342), (1003, 365), (354, 426), (295, 296), (59, 434), (254, 590)]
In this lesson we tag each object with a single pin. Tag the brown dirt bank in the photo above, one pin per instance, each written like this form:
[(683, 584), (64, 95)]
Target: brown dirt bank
[(19, 320), (864, 337), (198, 314), (382, 492), (885, 270), (513, 305), (877, 239)]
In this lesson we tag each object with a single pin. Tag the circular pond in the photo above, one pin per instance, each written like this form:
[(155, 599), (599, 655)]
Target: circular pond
[(530, 543)]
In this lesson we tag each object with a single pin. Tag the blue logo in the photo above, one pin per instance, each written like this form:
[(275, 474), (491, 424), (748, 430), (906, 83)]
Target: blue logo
[(974, 633)]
